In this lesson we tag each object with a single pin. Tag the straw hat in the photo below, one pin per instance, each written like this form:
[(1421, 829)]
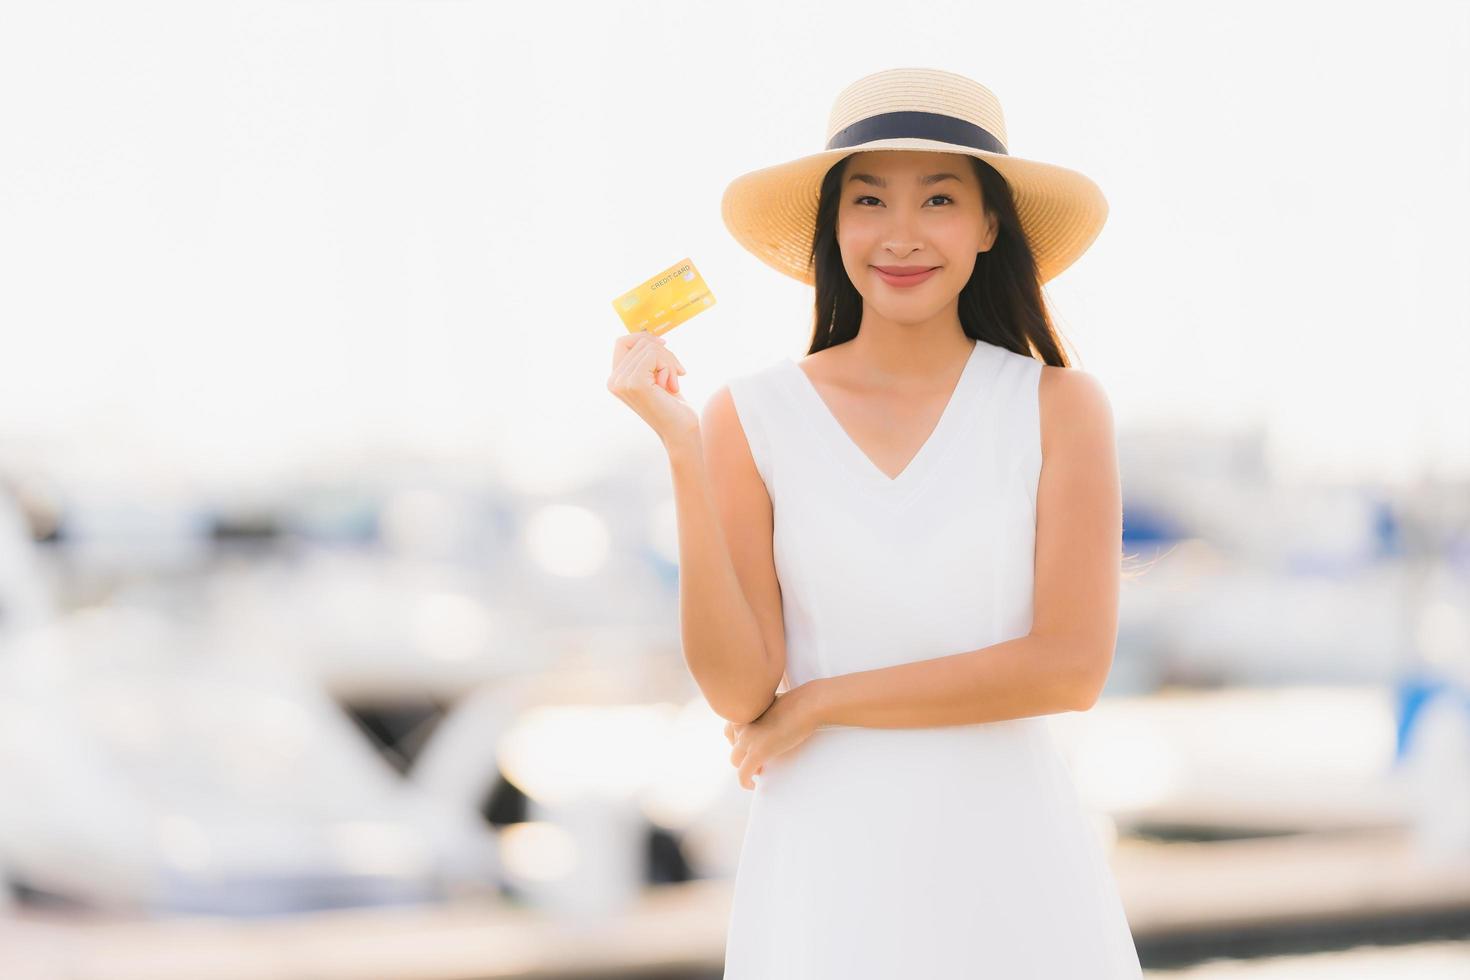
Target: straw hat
[(772, 212)]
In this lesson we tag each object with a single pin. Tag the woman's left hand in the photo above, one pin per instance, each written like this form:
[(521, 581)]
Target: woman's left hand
[(783, 726)]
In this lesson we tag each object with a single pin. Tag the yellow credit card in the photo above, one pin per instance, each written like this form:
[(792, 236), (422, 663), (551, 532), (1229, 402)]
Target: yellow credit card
[(665, 301)]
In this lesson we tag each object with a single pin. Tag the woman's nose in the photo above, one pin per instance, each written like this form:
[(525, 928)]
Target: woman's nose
[(901, 240)]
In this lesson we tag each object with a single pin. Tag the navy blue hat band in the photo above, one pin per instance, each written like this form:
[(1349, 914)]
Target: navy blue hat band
[(916, 125)]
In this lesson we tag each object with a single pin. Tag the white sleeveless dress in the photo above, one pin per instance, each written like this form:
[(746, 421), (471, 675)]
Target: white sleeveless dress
[(885, 854)]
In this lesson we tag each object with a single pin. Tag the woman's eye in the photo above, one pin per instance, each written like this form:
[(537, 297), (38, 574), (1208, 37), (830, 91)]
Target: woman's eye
[(869, 197)]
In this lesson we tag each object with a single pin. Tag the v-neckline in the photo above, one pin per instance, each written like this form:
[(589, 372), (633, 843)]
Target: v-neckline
[(928, 452)]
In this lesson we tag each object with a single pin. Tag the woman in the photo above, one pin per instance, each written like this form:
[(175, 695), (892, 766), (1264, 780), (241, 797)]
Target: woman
[(917, 529)]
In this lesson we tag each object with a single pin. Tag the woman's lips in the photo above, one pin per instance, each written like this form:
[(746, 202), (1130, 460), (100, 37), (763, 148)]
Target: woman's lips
[(911, 280)]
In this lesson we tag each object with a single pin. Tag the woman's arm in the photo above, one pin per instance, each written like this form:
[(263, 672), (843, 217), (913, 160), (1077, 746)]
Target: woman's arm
[(1063, 662), (729, 597)]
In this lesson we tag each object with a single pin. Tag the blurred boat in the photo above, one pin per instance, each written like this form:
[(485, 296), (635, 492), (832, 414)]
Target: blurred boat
[(140, 772)]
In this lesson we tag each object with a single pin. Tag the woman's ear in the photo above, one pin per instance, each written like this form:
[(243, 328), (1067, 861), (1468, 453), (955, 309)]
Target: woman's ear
[(992, 227)]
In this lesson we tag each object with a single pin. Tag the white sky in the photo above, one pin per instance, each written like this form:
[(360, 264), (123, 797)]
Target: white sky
[(237, 236)]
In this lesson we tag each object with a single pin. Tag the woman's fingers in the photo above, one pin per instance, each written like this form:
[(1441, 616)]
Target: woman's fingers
[(640, 361), (741, 756), (748, 768), (626, 359), (643, 378), (650, 357), (626, 362), (669, 369), (677, 363), (626, 345)]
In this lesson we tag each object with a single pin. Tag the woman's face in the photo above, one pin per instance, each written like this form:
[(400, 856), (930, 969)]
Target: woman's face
[(911, 209)]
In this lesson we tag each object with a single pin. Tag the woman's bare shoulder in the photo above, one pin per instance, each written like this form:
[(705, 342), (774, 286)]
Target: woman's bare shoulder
[(1073, 404)]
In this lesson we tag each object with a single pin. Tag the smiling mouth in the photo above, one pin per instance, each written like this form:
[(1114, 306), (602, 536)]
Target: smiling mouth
[(898, 272), (903, 280)]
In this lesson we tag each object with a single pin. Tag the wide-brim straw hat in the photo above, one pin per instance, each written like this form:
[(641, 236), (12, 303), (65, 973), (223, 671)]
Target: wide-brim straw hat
[(772, 211)]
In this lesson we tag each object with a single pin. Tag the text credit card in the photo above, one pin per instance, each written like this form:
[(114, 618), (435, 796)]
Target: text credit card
[(665, 301)]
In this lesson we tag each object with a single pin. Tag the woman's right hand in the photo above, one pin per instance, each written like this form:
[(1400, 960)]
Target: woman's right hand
[(645, 377)]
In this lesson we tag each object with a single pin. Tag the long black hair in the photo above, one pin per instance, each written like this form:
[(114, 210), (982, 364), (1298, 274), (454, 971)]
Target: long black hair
[(1001, 304)]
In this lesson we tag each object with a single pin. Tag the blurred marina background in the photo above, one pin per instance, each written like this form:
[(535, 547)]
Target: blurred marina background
[(338, 598)]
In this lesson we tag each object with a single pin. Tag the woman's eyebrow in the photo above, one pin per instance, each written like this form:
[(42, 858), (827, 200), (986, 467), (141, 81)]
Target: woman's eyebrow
[(880, 182)]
